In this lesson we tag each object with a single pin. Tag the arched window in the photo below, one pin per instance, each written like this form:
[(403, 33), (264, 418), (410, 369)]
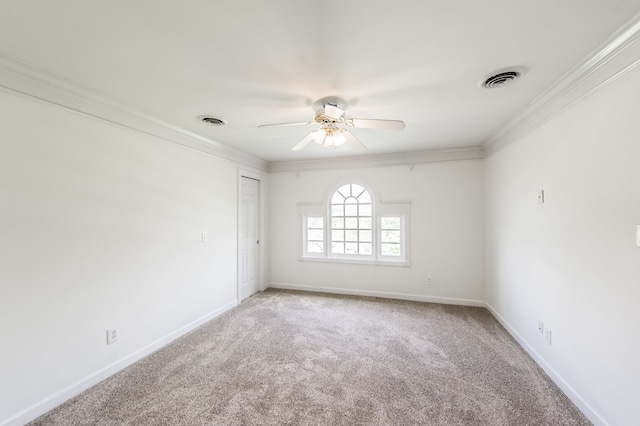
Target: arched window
[(353, 226), (352, 221)]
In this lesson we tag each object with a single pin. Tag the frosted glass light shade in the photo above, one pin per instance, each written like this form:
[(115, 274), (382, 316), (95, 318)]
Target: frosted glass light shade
[(329, 138)]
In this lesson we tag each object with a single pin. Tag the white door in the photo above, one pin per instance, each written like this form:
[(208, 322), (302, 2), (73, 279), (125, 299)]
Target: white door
[(249, 236)]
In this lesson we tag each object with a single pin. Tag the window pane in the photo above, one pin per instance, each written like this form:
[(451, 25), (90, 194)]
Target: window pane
[(351, 222), (390, 236), (337, 235), (387, 249), (390, 223), (365, 198), (364, 236), (315, 222), (315, 247), (315, 234), (356, 190), (345, 190), (365, 223), (337, 210), (351, 200), (365, 248), (337, 198), (365, 210), (351, 248), (337, 222), (351, 235), (350, 210), (337, 248)]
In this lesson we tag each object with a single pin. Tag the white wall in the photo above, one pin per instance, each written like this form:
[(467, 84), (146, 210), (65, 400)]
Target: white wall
[(101, 227), (572, 262), (446, 232)]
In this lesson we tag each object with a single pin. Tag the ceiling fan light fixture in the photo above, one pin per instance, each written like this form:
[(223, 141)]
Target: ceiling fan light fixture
[(319, 136), (329, 138)]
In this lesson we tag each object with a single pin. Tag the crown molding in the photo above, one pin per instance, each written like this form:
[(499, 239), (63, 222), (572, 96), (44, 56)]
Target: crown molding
[(617, 56), (453, 154), (41, 86), (22, 80)]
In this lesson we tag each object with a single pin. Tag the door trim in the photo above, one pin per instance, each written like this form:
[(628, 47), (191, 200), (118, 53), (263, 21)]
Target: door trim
[(261, 232)]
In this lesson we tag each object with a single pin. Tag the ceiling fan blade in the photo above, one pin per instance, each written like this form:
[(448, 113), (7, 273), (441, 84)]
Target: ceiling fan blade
[(303, 142), (353, 142), (370, 123), (333, 111), (300, 123)]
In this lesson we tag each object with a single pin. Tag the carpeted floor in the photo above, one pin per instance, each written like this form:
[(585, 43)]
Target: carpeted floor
[(294, 358)]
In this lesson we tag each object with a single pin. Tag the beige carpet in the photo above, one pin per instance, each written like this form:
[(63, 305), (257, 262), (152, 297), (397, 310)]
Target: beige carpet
[(294, 358)]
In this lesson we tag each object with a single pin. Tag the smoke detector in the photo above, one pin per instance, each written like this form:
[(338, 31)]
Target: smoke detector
[(211, 120), (502, 78)]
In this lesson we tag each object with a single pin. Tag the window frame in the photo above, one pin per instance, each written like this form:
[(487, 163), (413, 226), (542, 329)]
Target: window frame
[(400, 209), (307, 211), (329, 222)]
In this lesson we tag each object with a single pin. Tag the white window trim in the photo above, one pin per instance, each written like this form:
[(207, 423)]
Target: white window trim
[(306, 210), (401, 210), (380, 209)]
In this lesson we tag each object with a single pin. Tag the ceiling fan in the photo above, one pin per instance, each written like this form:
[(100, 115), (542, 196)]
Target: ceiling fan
[(330, 114)]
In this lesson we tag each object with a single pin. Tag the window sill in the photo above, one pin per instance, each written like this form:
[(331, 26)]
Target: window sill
[(351, 260)]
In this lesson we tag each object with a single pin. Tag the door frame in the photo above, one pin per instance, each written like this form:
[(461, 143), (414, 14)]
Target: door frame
[(261, 178)]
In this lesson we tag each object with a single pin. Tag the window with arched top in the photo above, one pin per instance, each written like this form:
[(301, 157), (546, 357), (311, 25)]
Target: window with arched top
[(351, 221), (353, 226)]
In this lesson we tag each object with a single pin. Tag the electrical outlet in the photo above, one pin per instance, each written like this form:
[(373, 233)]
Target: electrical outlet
[(548, 337), (429, 280), (112, 335), (204, 237), (540, 327)]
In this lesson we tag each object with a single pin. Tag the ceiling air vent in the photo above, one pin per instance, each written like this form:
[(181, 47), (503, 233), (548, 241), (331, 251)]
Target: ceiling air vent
[(501, 79), (211, 120)]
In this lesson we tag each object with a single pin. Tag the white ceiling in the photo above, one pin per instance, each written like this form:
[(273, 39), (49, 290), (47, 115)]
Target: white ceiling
[(255, 62)]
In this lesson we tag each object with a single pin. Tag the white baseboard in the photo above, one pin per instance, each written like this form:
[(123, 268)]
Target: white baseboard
[(383, 294), (568, 390), (81, 385), (85, 383)]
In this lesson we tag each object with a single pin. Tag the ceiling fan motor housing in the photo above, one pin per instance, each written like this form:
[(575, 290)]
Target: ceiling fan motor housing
[(323, 118)]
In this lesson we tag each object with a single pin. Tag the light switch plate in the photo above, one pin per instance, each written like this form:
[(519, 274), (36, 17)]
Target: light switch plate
[(541, 196)]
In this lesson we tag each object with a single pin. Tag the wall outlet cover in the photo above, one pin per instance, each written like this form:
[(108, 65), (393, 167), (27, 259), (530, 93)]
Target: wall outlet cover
[(112, 336)]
